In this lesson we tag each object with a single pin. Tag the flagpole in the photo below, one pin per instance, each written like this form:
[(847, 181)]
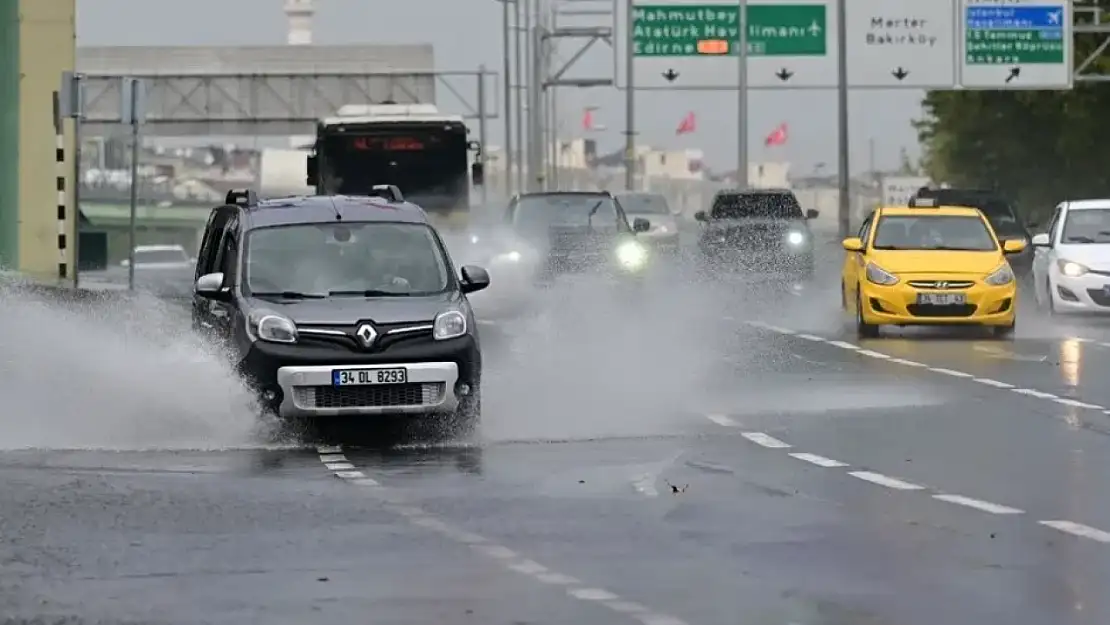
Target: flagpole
[(742, 100), (630, 102)]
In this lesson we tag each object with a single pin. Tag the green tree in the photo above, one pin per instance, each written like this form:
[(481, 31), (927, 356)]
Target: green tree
[(1036, 147)]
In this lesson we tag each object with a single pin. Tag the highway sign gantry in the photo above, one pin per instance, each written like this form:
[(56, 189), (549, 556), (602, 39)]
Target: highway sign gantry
[(896, 44)]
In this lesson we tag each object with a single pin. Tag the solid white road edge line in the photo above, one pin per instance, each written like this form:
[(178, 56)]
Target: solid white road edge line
[(504, 556), (721, 419)]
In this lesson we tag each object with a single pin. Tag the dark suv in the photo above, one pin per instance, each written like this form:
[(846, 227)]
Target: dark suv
[(335, 306), (763, 229), (998, 211), (562, 232)]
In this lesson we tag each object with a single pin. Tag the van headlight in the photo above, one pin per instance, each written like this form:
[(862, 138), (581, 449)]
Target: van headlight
[(1001, 276), (795, 238), (449, 325), (878, 275), (271, 327), (631, 255)]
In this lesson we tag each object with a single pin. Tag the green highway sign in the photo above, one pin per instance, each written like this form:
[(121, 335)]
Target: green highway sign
[(987, 47), (692, 30), (787, 30), (685, 30)]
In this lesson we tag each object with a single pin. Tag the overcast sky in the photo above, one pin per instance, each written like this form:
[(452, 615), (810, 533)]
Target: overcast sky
[(467, 33)]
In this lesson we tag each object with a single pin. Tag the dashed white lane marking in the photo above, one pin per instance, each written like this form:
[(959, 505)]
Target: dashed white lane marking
[(770, 442), (336, 461), (1070, 527), (870, 353), (978, 504), (592, 594), (721, 419), (1078, 529), (885, 480), (820, 461)]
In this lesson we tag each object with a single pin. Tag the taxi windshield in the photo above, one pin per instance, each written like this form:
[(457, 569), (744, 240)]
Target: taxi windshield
[(933, 232), (348, 258), (1087, 226)]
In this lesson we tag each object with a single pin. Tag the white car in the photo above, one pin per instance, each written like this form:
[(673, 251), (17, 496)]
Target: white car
[(1071, 266)]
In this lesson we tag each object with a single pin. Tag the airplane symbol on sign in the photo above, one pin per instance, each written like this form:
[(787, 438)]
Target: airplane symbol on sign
[(1054, 17)]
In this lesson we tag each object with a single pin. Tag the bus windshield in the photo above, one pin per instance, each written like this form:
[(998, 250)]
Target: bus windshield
[(427, 162)]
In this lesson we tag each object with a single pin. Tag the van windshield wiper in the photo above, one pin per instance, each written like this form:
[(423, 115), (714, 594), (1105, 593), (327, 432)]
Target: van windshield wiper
[(290, 295), (367, 293)]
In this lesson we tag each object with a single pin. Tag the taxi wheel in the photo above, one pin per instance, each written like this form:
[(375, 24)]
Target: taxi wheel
[(1005, 332), (864, 330)]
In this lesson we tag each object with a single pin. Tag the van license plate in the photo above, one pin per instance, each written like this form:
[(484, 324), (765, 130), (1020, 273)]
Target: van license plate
[(942, 299), (366, 377)]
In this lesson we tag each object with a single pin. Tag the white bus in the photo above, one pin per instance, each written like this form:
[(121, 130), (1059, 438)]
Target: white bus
[(423, 152)]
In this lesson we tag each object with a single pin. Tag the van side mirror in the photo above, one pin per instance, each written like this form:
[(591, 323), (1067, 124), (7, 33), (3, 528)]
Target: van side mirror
[(640, 224), (812, 213), (477, 174), (474, 278), (312, 172), (701, 216), (211, 286)]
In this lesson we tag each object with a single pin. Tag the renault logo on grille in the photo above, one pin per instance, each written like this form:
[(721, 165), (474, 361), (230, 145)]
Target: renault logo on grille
[(366, 334)]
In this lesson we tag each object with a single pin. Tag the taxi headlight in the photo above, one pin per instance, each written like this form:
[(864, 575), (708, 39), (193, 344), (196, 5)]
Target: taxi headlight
[(1070, 269), (878, 275), (271, 327), (1001, 276), (631, 255)]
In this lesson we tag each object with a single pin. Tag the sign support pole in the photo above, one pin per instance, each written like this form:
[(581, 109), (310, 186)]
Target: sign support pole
[(742, 100), (630, 102), (844, 174)]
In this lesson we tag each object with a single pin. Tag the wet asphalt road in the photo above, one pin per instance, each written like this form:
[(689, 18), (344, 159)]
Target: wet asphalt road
[(815, 479)]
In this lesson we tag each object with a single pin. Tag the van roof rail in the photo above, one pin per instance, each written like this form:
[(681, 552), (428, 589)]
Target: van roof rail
[(241, 197)]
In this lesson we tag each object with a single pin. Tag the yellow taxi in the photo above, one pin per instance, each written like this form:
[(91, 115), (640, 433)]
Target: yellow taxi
[(929, 265)]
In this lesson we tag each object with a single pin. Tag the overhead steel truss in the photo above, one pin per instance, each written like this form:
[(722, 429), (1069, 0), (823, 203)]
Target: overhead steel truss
[(1091, 20), (272, 104)]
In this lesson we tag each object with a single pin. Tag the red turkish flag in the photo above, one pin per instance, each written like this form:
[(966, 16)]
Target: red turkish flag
[(778, 136), (588, 120), (687, 125)]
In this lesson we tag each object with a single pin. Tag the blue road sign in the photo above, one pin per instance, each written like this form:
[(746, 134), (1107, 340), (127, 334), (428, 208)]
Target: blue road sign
[(1049, 18)]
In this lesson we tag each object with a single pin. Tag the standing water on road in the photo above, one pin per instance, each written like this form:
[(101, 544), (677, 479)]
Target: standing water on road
[(124, 376)]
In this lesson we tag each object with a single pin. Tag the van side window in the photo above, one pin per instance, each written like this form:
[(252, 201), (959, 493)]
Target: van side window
[(209, 245), (227, 252)]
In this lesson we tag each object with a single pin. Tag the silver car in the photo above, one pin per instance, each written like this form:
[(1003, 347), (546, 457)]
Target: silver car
[(663, 234)]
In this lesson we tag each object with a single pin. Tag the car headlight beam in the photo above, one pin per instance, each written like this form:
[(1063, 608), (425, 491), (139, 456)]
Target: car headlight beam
[(631, 255), (1070, 269), (795, 238)]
